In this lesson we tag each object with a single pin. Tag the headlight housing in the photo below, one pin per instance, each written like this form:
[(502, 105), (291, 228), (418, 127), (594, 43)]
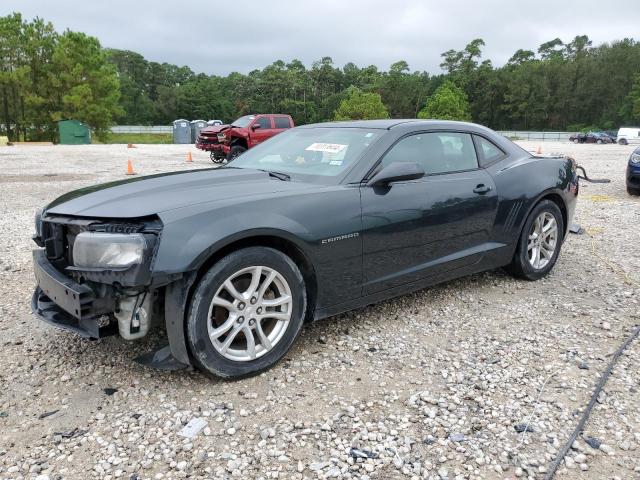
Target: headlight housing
[(635, 158), (108, 250)]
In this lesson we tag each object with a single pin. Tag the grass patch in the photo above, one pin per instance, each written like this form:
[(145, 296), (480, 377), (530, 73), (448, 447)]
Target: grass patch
[(141, 138)]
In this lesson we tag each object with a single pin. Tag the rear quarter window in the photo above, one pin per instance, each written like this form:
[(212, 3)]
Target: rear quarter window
[(488, 152), (282, 122)]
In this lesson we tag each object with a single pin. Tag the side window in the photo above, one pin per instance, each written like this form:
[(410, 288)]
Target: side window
[(438, 152), (264, 122), (282, 122), (489, 152), (409, 149)]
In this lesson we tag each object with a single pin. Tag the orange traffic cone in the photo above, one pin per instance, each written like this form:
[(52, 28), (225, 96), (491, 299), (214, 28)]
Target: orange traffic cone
[(539, 151), (189, 157), (130, 168), (130, 145)]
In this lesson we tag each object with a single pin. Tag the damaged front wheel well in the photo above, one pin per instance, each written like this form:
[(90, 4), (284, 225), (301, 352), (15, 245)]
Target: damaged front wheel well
[(277, 243), (179, 294)]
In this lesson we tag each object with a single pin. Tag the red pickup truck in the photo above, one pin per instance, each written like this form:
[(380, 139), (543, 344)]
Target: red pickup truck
[(229, 141), (208, 141)]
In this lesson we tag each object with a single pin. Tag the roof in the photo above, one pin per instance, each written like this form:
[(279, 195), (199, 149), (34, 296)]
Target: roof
[(388, 124)]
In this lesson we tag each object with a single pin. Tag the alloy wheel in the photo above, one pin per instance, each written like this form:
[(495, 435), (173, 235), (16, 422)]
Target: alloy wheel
[(249, 313), (543, 240)]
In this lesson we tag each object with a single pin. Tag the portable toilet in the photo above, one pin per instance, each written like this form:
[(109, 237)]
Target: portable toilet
[(73, 132), (181, 131), (196, 126)]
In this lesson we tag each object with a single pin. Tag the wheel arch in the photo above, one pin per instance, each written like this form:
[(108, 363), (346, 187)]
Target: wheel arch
[(556, 198), (559, 201), (273, 240), (239, 141)]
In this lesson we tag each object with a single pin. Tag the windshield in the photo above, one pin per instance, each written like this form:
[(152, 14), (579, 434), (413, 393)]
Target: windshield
[(319, 152), (243, 122)]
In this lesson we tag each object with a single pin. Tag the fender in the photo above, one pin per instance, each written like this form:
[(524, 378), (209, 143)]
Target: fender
[(551, 191), (239, 141), (567, 189), (515, 193), (199, 261), (184, 247)]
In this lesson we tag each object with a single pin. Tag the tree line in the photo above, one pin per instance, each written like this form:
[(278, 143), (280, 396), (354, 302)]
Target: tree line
[(46, 76)]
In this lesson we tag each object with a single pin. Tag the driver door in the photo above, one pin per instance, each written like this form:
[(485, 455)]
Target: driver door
[(263, 132), (417, 229)]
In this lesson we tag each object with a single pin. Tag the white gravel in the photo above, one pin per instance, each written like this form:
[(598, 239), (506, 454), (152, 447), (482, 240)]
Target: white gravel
[(429, 385)]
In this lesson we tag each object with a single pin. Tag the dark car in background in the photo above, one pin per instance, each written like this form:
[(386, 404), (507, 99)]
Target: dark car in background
[(591, 137), (633, 173), (319, 220)]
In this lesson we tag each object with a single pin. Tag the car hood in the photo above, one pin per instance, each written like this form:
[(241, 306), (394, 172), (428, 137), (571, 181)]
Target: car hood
[(214, 128), (154, 194)]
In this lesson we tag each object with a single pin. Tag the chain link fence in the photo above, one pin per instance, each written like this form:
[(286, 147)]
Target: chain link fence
[(142, 129), (512, 134), (537, 136)]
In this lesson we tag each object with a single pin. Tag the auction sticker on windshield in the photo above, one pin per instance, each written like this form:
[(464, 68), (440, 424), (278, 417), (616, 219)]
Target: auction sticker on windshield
[(326, 147)]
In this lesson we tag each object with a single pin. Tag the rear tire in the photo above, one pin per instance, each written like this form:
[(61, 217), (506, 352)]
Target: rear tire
[(242, 329), (235, 152), (538, 246), (575, 140), (633, 191), (622, 141)]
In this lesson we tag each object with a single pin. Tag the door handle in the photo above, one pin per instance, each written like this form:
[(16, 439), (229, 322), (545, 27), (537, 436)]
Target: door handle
[(481, 189)]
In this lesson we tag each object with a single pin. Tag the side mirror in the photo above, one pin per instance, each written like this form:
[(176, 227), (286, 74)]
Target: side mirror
[(397, 172), (255, 126)]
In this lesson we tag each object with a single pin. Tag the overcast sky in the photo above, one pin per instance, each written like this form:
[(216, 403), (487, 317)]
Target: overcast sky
[(209, 36)]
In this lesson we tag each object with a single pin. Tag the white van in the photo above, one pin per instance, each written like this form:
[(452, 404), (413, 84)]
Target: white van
[(627, 135)]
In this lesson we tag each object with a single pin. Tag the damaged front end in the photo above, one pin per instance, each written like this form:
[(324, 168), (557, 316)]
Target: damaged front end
[(94, 277)]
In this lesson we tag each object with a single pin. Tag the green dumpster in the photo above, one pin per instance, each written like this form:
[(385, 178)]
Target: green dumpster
[(73, 132)]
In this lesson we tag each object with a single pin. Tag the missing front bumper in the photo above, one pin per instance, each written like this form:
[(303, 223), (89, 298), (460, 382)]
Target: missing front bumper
[(82, 309), (66, 304), (48, 311)]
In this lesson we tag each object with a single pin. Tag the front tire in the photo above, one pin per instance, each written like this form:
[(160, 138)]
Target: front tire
[(539, 243), (235, 152), (246, 312), (576, 140), (633, 191), (216, 158), (622, 141)]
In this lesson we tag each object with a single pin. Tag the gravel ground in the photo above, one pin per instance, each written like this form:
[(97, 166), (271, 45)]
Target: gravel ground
[(429, 385)]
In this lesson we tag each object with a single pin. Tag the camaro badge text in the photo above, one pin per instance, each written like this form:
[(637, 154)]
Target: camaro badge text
[(340, 237)]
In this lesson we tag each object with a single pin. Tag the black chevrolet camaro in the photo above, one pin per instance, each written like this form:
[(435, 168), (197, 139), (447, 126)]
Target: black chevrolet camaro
[(316, 221)]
